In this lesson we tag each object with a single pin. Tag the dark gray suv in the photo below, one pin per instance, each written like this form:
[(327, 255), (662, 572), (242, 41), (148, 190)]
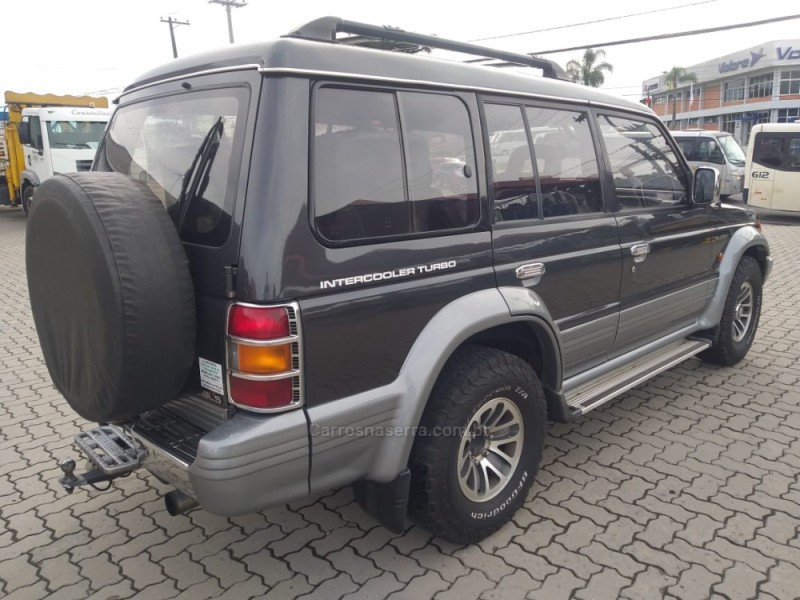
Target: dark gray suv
[(302, 264)]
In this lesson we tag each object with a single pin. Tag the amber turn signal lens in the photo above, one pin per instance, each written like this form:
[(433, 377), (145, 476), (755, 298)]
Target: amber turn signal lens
[(264, 360)]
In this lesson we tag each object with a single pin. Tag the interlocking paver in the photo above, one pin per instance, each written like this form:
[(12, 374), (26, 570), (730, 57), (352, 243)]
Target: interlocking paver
[(685, 487)]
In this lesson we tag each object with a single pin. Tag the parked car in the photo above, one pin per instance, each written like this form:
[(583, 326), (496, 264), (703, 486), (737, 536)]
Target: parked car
[(717, 149), (272, 299)]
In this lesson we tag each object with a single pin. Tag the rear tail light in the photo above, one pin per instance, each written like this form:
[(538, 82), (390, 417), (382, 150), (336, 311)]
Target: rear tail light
[(264, 358)]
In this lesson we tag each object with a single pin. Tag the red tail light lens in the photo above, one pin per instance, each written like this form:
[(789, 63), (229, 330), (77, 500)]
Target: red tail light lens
[(258, 323), (262, 394), (264, 357)]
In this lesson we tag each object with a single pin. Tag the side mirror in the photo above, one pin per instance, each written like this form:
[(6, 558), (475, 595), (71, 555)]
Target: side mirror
[(24, 132), (705, 186)]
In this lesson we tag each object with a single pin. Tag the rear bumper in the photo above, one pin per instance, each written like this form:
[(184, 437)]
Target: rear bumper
[(244, 465)]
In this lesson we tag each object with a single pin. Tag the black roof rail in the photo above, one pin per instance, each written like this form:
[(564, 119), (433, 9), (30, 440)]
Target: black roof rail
[(326, 28)]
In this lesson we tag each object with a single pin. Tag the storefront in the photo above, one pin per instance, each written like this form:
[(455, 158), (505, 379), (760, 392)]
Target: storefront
[(734, 92)]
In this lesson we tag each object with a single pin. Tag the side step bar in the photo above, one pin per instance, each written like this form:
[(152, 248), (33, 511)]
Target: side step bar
[(597, 392)]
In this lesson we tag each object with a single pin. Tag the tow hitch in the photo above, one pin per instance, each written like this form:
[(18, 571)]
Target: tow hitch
[(112, 452)]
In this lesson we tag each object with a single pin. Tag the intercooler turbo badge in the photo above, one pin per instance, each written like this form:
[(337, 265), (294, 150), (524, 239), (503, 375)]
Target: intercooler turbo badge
[(387, 275), (211, 376)]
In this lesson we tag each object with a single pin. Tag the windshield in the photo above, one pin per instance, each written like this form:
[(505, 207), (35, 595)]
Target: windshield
[(733, 152), (156, 141), (75, 134)]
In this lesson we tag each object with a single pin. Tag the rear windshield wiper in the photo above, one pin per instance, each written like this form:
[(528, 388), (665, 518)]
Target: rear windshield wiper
[(196, 177)]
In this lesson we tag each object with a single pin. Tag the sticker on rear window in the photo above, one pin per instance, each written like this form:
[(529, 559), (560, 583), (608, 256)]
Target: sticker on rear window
[(211, 376)]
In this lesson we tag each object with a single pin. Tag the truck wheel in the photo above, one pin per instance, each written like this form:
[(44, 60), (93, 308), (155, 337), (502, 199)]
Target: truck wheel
[(739, 321), (479, 445), (111, 294), (27, 196)]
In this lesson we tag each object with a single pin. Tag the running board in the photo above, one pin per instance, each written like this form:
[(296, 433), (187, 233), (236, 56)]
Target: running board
[(596, 392)]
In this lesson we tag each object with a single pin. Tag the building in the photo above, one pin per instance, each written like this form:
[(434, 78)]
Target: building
[(734, 92)]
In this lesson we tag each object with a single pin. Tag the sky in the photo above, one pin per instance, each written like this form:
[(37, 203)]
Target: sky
[(94, 47)]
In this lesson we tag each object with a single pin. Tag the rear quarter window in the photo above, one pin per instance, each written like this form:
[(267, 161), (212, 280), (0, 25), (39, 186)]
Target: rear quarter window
[(390, 163)]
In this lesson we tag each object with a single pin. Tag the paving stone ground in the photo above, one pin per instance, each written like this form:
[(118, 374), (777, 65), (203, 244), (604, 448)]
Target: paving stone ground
[(686, 487)]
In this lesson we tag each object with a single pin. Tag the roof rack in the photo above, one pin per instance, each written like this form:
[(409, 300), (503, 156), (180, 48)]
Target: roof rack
[(326, 28)]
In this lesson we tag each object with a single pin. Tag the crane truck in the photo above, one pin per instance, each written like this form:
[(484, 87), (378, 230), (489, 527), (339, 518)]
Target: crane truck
[(46, 134)]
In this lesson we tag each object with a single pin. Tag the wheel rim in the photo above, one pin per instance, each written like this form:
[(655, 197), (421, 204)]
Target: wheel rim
[(743, 312), (490, 449)]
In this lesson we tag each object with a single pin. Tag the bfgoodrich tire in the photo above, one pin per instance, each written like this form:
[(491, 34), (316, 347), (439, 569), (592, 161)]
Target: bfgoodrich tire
[(479, 445), (111, 294), (739, 322)]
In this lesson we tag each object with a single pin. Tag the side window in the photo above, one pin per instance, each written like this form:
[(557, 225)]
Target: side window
[(566, 162), (440, 161), (512, 167), (645, 169), (794, 154), (371, 182), (690, 149), (36, 132)]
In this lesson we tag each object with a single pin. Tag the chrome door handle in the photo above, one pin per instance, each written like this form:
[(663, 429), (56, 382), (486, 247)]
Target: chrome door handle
[(640, 252), (530, 271)]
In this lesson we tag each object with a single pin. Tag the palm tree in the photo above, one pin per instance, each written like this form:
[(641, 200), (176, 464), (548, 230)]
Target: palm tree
[(676, 76), (587, 71)]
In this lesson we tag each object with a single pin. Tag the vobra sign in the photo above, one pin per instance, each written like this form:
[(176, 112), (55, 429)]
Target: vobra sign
[(745, 63), (788, 53)]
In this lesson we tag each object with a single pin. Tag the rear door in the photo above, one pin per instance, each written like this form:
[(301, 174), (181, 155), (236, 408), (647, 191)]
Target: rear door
[(154, 137), (667, 262), (552, 231)]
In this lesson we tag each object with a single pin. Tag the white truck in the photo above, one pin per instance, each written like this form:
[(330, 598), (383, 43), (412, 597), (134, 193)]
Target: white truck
[(47, 134)]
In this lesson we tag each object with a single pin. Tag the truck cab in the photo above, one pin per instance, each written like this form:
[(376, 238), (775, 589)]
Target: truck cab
[(43, 135), (58, 140)]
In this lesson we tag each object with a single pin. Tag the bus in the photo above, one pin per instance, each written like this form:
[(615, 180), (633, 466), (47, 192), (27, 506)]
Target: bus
[(772, 171)]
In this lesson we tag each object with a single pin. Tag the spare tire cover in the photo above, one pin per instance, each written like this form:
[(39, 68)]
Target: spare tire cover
[(111, 294)]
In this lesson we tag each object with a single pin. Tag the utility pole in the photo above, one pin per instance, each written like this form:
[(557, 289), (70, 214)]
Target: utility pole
[(228, 4), (172, 23)]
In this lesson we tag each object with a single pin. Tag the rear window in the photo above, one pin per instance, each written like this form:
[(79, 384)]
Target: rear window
[(779, 151), (388, 164), (155, 141)]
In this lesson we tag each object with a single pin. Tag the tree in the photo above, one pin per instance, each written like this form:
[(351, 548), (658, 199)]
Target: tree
[(588, 71), (676, 76)]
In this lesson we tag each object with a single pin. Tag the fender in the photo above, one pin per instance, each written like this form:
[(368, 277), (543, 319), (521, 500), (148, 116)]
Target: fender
[(371, 434), (742, 239), (30, 177)]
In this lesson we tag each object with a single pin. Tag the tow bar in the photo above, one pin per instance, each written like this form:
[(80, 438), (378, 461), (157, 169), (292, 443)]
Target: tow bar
[(112, 452)]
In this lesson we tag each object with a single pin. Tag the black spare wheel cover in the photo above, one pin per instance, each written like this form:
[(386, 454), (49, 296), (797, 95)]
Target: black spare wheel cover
[(111, 294)]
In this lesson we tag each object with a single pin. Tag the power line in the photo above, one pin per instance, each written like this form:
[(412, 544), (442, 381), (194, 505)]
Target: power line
[(666, 36), (228, 4), (172, 23), (638, 14)]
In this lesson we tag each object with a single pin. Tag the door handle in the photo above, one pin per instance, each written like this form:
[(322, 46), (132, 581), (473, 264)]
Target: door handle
[(30, 160), (640, 252), (531, 271)]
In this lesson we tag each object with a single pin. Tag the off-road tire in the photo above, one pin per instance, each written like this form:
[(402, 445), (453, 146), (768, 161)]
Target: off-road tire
[(726, 350), (473, 377)]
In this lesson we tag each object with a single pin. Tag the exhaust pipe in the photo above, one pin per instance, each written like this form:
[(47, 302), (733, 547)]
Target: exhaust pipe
[(178, 503)]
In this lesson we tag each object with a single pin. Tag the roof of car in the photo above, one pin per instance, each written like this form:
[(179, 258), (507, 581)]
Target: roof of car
[(301, 57), (699, 133)]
